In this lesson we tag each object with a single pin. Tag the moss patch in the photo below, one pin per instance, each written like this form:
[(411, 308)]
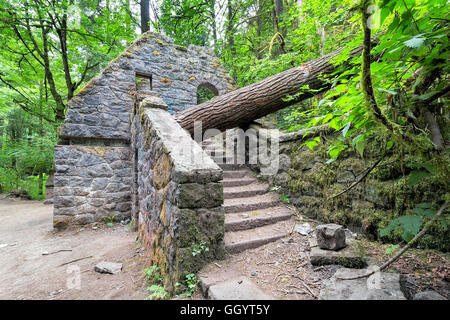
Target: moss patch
[(383, 196)]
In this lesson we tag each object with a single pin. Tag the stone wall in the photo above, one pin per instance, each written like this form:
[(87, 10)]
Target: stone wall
[(177, 195), (102, 108), (91, 183), (309, 182), (94, 174)]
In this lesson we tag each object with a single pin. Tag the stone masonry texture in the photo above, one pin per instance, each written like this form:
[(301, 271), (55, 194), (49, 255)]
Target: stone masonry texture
[(95, 175), (123, 155), (177, 197), (91, 183), (102, 108)]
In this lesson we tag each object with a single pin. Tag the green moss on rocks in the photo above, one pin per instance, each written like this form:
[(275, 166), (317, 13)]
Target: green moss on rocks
[(383, 196)]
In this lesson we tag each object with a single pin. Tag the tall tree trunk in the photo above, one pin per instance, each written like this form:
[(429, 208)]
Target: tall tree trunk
[(129, 16), (145, 15), (214, 25), (279, 8), (258, 52), (230, 37), (41, 134), (155, 15), (242, 106), (277, 11)]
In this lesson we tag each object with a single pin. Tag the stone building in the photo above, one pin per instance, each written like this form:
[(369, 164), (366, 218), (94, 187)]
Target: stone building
[(94, 160)]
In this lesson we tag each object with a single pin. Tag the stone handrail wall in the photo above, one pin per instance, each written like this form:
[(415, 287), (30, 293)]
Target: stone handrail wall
[(177, 195)]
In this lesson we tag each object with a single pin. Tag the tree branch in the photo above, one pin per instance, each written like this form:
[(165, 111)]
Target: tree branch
[(406, 247), (361, 178)]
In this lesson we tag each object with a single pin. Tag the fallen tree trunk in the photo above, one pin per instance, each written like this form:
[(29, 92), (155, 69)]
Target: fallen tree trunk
[(240, 107)]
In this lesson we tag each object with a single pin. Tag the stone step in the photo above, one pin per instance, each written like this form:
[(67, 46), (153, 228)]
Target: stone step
[(222, 159), (236, 174), (239, 288), (257, 218), (250, 190), (238, 182), (238, 241), (212, 147), (215, 152), (231, 166), (207, 142), (251, 203)]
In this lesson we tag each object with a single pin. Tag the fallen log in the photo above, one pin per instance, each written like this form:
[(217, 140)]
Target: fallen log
[(240, 107)]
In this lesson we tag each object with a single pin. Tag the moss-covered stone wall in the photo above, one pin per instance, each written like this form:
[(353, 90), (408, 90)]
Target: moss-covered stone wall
[(309, 182), (177, 196)]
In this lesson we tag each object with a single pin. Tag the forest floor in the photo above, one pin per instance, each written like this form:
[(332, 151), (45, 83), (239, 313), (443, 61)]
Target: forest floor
[(26, 232), (281, 269)]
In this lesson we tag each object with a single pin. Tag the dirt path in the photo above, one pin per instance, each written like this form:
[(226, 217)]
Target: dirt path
[(25, 273), (280, 268)]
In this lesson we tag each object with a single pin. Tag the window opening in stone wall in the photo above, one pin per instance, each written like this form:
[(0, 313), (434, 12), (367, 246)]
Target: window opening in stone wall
[(144, 81), (206, 92)]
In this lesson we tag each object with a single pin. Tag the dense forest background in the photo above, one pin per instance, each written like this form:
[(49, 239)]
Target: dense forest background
[(396, 92)]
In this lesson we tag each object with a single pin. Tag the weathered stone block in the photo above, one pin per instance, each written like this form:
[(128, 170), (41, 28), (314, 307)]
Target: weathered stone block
[(61, 222), (428, 295), (99, 183), (154, 102), (108, 267), (83, 219), (92, 183), (380, 286), (330, 236), (350, 256), (196, 195), (237, 289)]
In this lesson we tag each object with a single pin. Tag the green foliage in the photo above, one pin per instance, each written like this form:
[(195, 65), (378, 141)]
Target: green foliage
[(153, 275), (109, 220), (26, 152), (285, 198), (416, 176), (191, 284), (204, 94), (187, 21), (198, 248), (425, 209), (157, 292), (155, 281), (410, 224), (77, 39), (392, 248)]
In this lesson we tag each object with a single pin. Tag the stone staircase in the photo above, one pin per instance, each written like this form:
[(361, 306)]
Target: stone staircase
[(254, 216)]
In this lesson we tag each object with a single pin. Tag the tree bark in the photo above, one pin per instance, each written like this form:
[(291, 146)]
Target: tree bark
[(242, 106), (145, 15), (213, 22), (230, 36), (436, 135)]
